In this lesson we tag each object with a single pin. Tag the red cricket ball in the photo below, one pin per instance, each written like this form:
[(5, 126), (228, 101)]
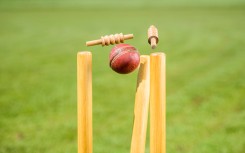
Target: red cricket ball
[(124, 58)]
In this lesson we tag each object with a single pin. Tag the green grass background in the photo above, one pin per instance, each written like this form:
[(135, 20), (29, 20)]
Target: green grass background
[(204, 42)]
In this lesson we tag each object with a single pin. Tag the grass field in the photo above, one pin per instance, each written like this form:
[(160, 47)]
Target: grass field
[(205, 78)]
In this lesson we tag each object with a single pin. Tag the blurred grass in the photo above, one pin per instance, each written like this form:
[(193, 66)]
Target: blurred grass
[(205, 78), (6, 4)]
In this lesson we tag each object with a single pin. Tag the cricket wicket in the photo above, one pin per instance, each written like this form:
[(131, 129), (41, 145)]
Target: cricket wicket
[(158, 103), (151, 89), (141, 106), (84, 102)]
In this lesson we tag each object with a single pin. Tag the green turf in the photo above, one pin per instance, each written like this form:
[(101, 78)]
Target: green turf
[(205, 78)]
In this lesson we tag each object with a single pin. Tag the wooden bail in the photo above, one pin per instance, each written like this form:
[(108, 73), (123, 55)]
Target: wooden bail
[(110, 40), (153, 36)]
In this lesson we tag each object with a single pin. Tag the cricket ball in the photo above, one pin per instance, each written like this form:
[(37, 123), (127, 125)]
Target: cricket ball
[(124, 58)]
